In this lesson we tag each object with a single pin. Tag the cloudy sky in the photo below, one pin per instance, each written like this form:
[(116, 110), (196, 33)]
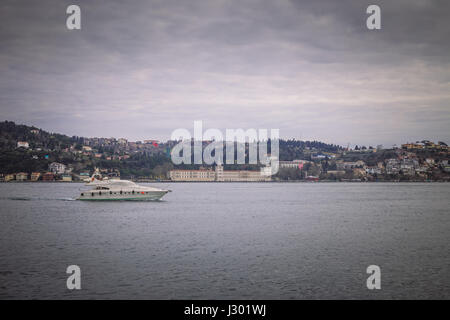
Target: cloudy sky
[(140, 69)]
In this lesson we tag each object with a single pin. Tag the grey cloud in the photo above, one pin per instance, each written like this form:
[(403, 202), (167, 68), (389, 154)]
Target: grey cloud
[(309, 68)]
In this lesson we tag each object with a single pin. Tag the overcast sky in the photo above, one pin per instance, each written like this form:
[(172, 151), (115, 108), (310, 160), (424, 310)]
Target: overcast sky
[(140, 69)]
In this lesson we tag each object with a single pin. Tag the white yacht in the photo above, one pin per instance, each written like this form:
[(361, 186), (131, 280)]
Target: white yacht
[(115, 189)]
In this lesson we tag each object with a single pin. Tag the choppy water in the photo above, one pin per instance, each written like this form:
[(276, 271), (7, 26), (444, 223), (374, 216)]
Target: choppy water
[(229, 240)]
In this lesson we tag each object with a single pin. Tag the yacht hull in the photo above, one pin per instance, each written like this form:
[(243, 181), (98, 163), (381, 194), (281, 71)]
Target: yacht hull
[(150, 196)]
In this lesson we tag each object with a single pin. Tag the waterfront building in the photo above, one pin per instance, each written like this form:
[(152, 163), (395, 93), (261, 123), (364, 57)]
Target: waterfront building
[(48, 176), (84, 176), (35, 176), (9, 177), (66, 178), (21, 176)]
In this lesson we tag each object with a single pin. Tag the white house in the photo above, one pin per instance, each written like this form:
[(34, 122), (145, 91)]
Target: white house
[(23, 144), (373, 170), (57, 168)]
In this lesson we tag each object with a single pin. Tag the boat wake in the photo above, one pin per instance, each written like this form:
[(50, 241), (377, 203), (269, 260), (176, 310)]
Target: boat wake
[(36, 199)]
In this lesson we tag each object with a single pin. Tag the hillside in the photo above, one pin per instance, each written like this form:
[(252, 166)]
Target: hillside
[(130, 158), (29, 149)]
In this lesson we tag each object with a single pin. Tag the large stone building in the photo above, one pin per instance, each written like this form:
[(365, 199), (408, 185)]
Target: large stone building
[(192, 175), (219, 174)]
